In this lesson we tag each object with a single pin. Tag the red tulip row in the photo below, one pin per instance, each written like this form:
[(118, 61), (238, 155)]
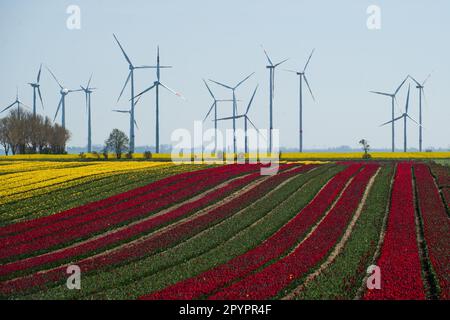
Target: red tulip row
[(399, 261), (270, 281), (272, 248), (446, 194), (94, 206), (157, 242), (442, 175), (128, 232), (89, 224), (48, 236), (436, 226)]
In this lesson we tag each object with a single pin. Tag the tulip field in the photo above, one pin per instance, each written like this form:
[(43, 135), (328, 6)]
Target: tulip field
[(158, 230)]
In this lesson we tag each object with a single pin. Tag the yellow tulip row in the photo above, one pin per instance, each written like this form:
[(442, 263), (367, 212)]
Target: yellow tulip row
[(28, 184)]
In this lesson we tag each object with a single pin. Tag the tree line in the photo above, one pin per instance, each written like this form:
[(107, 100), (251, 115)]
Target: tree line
[(23, 133)]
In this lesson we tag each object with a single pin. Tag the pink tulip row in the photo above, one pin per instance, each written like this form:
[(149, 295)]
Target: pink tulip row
[(399, 261), (94, 206), (89, 224), (272, 248), (270, 281), (155, 243), (436, 226)]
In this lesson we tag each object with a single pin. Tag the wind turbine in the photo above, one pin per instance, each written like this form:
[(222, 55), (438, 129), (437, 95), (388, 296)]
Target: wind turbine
[(36, 88), (16, 102), (156, 85), (403, 116), (129, 112), (271, 68), (88, 90), (393, 99), (246, 118), (214, 106), (130, 78), (302, 76), (233, 89), (420, 86), (62, 102)]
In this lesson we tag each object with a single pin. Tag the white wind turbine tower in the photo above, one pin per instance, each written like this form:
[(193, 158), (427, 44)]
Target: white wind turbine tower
[(271, 68), (156, 85), (302, 76), (214, 106), (233, 89), (36, 89), (420, 86), (404, 116), (88, 91), (393, 100), (130, 79)]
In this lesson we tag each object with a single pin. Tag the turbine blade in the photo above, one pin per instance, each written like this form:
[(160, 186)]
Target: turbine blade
[(251, 100), (123, 51), (39, 73), (414, 121), (309, 59), (229, 118), (382, 93), (257, 130), (407, 99), (173, 91), (412, 78), (23, 104), (135, 123), (57, 109), (398, 118), (123, 89), (121, 111), (210, 109), (289, 70), (207, 87), (54, 77), (426, 79), (307, 84), (244, 80), (146, 67), (221, 84), (12, 104), (40, 97), (399, 87), (281, 62), (146, 90), (267, 56), (74, 90), (89, 82)]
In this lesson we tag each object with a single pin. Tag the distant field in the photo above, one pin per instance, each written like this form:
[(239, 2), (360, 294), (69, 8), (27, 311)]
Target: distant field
[(156, 230), (288, 156)]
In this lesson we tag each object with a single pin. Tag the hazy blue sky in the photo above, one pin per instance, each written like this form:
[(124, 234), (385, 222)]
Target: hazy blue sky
[(221, 40)]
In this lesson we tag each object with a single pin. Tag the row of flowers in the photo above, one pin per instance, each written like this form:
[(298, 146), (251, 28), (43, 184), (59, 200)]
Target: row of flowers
[(36, 183), (93, 206), (436, 226), (399, 260), (102, 208), (270, 281), (167, 238), (76, 193), (272, 248), (86, 225)]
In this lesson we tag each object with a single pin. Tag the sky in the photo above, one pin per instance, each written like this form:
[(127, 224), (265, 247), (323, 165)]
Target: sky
[(222, 40)]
